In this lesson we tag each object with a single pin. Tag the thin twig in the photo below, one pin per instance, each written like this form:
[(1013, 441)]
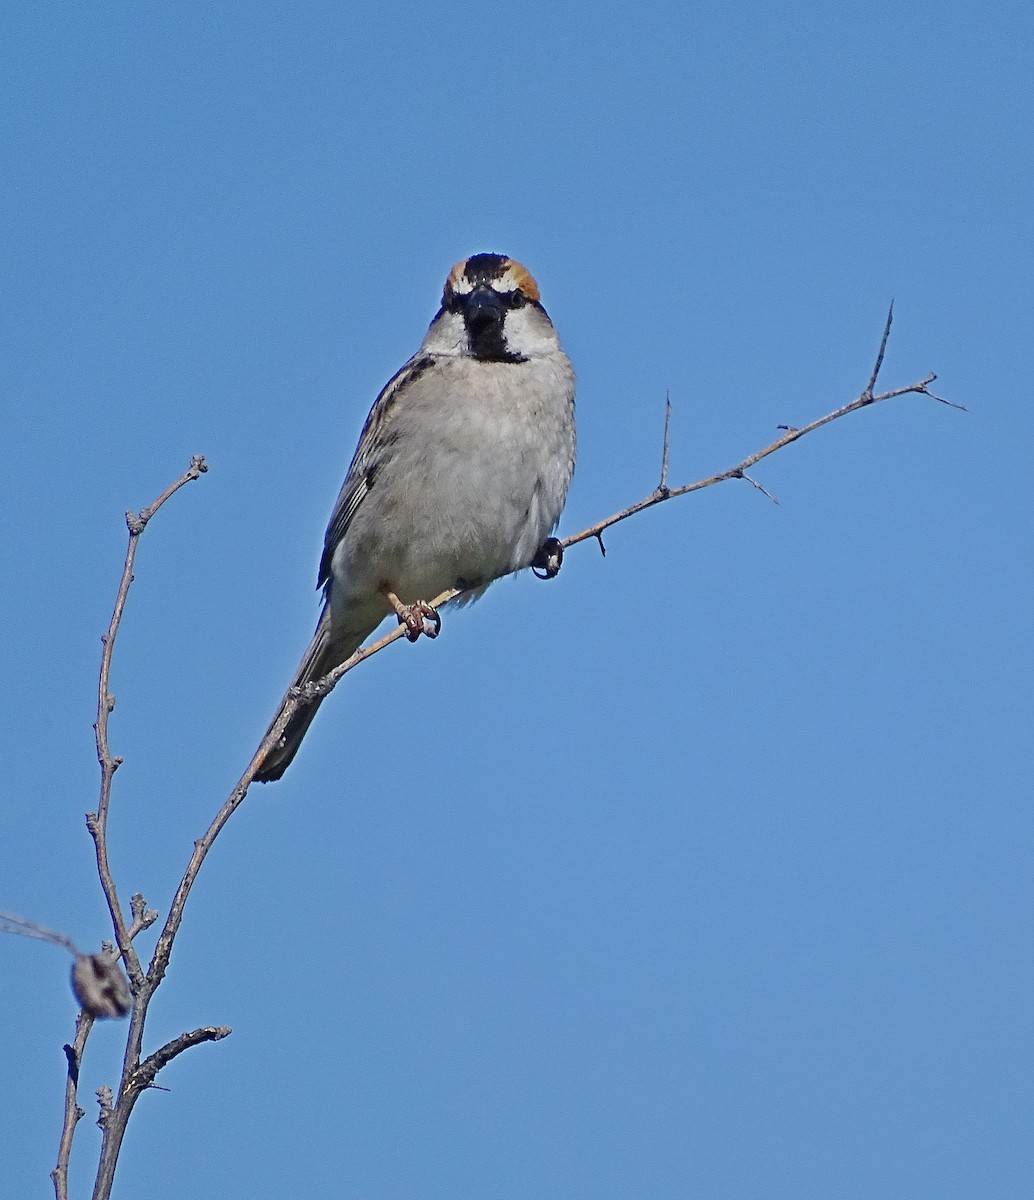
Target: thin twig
[(73, 1113), (153, 1063), (881, 352), (663, 485), (738, 471), (97, 823), (116, 1116), (949, 403), (761, 487)]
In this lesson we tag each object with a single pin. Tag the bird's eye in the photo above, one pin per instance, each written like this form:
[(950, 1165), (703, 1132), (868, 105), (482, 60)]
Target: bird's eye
[(518, 299)]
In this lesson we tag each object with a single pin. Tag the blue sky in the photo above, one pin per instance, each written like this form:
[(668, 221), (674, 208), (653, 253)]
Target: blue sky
[(703, 870)]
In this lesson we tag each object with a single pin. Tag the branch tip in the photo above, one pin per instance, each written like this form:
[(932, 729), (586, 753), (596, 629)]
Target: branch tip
[(760, 487), (941, 400), (882, 351), (663, 485), (146, 1072)]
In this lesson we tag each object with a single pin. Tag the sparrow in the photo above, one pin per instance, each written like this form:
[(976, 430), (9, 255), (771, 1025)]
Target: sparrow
[(459, 478)]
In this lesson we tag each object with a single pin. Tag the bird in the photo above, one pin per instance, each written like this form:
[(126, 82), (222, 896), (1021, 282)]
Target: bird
[(459, 478)]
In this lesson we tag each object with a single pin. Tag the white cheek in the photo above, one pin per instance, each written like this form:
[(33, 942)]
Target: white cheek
[(447, 335), (529, 332)]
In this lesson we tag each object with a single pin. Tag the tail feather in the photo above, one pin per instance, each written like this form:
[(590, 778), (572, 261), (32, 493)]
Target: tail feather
[(321, 656)]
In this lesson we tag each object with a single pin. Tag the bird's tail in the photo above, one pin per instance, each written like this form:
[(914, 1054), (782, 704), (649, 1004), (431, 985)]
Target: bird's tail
[(322, 656)]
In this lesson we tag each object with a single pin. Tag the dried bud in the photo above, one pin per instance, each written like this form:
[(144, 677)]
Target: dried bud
[(100, 985)]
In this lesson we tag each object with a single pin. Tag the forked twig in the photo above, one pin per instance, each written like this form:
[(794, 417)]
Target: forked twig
[(97, 823)]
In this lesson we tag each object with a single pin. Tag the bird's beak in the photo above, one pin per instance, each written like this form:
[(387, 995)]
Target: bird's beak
[(483, 309)]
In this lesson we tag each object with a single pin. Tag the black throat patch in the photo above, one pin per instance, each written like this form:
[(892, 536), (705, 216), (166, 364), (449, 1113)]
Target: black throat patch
[(488, 341)]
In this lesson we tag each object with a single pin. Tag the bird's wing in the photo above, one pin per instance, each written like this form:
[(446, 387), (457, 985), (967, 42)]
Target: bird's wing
[(374, 441)]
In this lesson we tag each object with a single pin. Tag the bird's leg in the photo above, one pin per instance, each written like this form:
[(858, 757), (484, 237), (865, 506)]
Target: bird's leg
[(418, 617), (547, 560)]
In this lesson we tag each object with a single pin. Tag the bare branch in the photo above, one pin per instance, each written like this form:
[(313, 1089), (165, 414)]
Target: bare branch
[(73, 1113), (136, 1079), (763, 490), (881, 352), (941, 400), (739, 470), (147, 1071), (97, 823), (114, 1114), (663, 485)]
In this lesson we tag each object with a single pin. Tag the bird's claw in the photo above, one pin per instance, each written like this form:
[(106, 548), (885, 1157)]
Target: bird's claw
[(548, 558), (419, 618)]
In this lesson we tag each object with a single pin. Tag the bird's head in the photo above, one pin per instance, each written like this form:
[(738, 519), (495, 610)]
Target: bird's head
[(491, 311)]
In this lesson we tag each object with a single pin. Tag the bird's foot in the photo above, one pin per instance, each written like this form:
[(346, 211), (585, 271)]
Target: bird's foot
[(546, 563), (418, 617)]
